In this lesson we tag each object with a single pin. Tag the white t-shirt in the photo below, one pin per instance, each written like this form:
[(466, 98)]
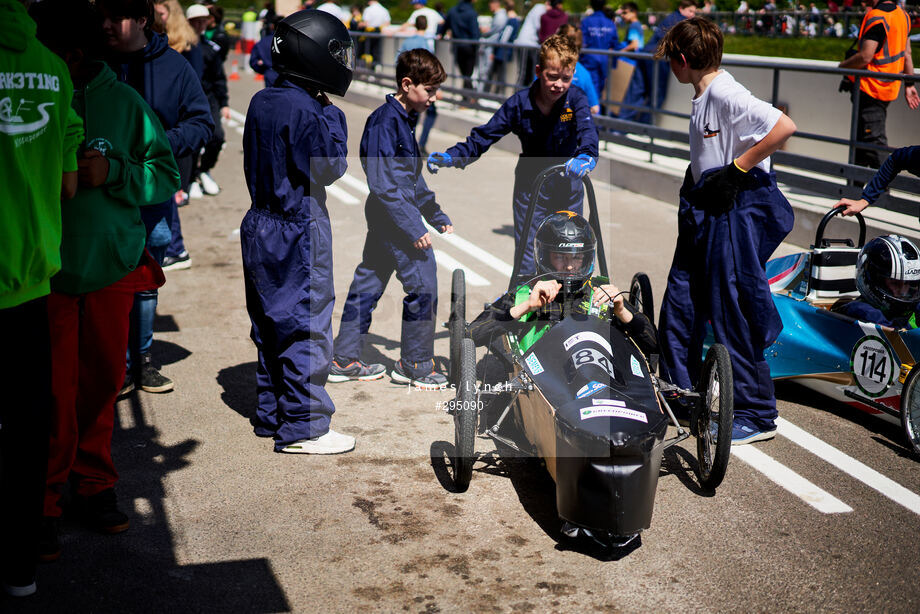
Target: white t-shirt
[(333, 9), (726, 121), (375, 15), (433, 17)]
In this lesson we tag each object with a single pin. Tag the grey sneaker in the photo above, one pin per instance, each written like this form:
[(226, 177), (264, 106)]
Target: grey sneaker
[(431, 381), (356, 370)]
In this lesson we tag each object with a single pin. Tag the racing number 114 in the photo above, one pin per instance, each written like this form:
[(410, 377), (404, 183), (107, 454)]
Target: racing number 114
[(874, 365)]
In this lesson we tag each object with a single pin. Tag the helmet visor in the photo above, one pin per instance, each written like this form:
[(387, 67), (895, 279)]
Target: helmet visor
[(907, 290), (343, 52), (569, 262)]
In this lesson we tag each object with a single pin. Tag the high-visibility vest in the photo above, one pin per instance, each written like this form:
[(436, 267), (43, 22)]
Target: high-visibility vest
[(889, 57)]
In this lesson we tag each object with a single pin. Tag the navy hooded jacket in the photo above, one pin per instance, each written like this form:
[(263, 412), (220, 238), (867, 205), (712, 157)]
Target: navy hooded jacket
[(170, 86), (172, 89)]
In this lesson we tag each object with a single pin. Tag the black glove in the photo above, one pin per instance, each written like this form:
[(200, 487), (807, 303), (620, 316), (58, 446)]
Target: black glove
[(719, 190)]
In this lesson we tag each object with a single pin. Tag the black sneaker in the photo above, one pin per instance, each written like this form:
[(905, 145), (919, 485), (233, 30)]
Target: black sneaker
[(356, 370), (151, 380), (128, 386), (100, 511), (177, 263), (49, 540)]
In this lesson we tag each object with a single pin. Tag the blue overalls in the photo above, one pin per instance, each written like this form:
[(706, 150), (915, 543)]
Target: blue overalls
[(599, 32), (292, 148), (398, 200), (546, 140), (717, 275), (639, 91)]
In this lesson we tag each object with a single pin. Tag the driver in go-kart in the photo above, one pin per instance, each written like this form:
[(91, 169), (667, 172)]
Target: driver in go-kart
[(564, 248), (888, 278)]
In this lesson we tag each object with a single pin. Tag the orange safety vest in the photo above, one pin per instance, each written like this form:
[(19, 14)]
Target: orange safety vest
[(889, 58)]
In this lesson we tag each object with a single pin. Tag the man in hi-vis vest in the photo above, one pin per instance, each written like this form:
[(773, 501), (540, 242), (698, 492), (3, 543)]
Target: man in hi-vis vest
[(884, 47)]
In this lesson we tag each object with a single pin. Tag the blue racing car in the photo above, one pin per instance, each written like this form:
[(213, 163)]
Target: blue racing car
[(866, 365)]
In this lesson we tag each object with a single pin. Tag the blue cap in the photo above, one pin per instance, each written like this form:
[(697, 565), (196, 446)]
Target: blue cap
[(422, 2)]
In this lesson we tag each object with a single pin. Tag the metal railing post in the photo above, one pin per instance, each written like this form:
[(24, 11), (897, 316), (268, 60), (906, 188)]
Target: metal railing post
[(854, 123)]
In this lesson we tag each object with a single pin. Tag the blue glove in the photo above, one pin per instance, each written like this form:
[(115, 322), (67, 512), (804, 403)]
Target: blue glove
[(580, 165), (437, 159)]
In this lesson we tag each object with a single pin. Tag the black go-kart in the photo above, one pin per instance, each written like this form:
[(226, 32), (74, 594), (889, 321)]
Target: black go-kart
[(584, 399)]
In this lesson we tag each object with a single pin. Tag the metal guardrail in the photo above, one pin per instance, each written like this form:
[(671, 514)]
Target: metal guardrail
[(822, 177)]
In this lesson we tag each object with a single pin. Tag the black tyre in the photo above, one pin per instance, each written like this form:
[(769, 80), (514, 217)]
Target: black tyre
[(466, 413), (640, 295), (910, 409), (714, 429), (456, 323)]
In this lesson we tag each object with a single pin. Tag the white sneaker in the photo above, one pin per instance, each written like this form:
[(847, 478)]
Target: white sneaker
[(330, 443), (20, 591), (208, 184), (194, 190)]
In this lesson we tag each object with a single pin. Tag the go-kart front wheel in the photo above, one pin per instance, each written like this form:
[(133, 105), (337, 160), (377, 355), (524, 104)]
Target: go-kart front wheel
[(714, 429), (456, 323), (466, 413), (910, 409), (640, 295)]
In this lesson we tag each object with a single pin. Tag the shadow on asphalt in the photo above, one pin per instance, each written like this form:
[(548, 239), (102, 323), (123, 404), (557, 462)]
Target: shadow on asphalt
[(239, 388), (166, 353), (138, 570), (795, 393)]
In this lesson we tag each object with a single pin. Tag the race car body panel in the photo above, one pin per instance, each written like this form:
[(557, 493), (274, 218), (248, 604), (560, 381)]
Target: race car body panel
[(859, 363), (594, 416)]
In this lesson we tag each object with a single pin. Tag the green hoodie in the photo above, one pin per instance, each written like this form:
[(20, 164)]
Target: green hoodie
[(103, 232), (39, 137)]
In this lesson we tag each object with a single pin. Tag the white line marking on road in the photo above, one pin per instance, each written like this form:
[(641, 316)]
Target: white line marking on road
[(238, 116), (239, 131), (449, 263), (790, 480), (340, 194), (355, 184), (849, 465), (234, 234), (459, 242), (232, 123), (475, 251)]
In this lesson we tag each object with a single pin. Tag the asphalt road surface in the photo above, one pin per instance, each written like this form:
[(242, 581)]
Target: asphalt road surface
[(826, 517)]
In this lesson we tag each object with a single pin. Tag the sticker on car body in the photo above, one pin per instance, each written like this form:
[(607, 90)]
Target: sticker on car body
[(590, 356), (635, 366), (587, 336), (589, 389), (533, 363), (609, 411), (873, 365)]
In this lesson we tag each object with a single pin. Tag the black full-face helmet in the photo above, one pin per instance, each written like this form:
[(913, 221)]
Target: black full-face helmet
[(888, 274), (315, 48), (564, 247)]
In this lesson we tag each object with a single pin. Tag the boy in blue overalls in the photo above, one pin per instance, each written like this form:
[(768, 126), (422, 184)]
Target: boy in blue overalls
[(731, 218), (294, 145), (398, 204), (553, 122)]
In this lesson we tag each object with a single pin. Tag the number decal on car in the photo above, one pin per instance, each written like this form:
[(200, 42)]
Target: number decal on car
[(873, 365), (590, 356)]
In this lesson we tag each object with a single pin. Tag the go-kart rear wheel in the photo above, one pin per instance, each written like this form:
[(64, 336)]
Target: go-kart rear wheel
[(640, 295), (456, 323), (910, 409), (466, 413), (714, 429)]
